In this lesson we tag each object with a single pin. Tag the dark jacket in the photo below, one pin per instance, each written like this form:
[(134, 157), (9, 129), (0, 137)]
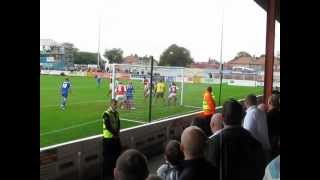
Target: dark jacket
[(273, 120), (239, 154), (198, 169)]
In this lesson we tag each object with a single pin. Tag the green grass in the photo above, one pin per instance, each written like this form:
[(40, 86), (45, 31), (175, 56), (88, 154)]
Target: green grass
[(87, 102)]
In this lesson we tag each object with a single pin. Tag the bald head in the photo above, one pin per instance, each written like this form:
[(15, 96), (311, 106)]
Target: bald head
[(263, 107), (216, 122), (192, 142)]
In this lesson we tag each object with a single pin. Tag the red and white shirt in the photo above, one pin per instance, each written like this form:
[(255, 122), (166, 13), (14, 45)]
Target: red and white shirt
[(145, 81), (121, 89), (173, 89)]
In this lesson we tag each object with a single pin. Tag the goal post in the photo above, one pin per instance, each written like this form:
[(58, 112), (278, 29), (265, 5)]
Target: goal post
[(190, 85), (136, 73)]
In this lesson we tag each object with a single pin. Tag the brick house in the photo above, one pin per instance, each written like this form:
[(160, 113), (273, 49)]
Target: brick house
[(252, 62), (135, 60), (210, 64)]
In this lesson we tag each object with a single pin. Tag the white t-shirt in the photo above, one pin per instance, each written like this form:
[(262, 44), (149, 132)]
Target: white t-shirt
[(255, 122)]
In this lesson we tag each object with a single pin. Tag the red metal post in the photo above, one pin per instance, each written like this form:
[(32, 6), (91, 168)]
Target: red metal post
[(269, 59)]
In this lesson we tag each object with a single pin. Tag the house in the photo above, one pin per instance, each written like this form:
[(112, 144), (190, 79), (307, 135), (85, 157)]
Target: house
[(259, 64), (131, 60), (210, 64), (135, 60), (252, 62)]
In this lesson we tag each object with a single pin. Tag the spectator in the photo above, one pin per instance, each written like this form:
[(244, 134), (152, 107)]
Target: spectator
[(272, 171), (202, 124), (111, 138), (234, 151), (216, 124), (273, 119), (195, 166), (209, 108), (255, 122), (263, 107), (173, 156), (153, 177), (131, 165)]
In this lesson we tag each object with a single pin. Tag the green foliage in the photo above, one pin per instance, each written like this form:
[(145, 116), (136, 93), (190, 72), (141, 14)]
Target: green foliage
[(243, 54), (81, 57), (114, 55), (175, 56)]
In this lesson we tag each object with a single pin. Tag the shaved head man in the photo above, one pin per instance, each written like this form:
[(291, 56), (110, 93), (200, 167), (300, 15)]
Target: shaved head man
[(193, 141)]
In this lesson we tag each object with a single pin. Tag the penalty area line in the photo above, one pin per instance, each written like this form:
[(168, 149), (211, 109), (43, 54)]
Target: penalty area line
[(84, 124), (124, 119), (70, 127), (75, 103)]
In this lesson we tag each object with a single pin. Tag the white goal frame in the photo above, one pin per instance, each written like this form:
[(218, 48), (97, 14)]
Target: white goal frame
[(180, 73)]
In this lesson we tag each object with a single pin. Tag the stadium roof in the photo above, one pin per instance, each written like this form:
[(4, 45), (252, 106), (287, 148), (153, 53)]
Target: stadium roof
[(264, 4)]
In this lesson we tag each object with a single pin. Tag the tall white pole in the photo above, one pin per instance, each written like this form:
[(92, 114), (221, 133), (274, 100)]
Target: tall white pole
[(221, 43), (99, 32), (221, 47)]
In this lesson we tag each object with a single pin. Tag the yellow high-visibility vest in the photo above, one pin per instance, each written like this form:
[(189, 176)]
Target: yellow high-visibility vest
[(205, 105), (106, 132)]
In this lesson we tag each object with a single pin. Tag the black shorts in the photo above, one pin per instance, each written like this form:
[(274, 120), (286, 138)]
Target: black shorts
[(160, 94)]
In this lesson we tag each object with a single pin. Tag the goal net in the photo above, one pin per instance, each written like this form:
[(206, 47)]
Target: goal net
[(167, 91)]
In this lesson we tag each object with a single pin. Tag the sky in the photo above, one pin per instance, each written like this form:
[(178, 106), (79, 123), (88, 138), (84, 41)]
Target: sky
[(148, 27)]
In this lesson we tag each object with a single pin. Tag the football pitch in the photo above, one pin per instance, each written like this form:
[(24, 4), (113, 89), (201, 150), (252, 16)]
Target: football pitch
[(87, 102)]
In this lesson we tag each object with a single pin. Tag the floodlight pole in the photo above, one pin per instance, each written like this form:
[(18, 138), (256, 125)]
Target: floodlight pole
[(98, 54), (221, 65)]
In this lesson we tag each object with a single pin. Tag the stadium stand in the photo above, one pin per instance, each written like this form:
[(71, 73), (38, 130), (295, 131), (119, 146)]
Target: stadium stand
[(82, 158), (236, 153)]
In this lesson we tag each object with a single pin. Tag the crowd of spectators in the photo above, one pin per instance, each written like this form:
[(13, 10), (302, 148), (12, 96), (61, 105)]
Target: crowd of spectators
[(243, 144)]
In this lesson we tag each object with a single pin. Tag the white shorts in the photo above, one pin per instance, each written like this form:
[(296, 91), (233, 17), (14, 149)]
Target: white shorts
[(120, 98), (171, 95)]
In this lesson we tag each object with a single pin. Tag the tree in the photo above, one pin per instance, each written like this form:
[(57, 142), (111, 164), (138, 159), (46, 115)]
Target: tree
[(114, 55), (175, 56), (243, 54), (85, 57)]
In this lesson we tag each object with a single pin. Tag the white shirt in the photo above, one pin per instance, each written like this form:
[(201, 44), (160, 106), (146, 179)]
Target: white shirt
[(215, 133), (256, 123)]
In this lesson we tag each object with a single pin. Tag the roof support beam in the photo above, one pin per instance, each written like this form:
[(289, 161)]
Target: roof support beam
[(270, 34)]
